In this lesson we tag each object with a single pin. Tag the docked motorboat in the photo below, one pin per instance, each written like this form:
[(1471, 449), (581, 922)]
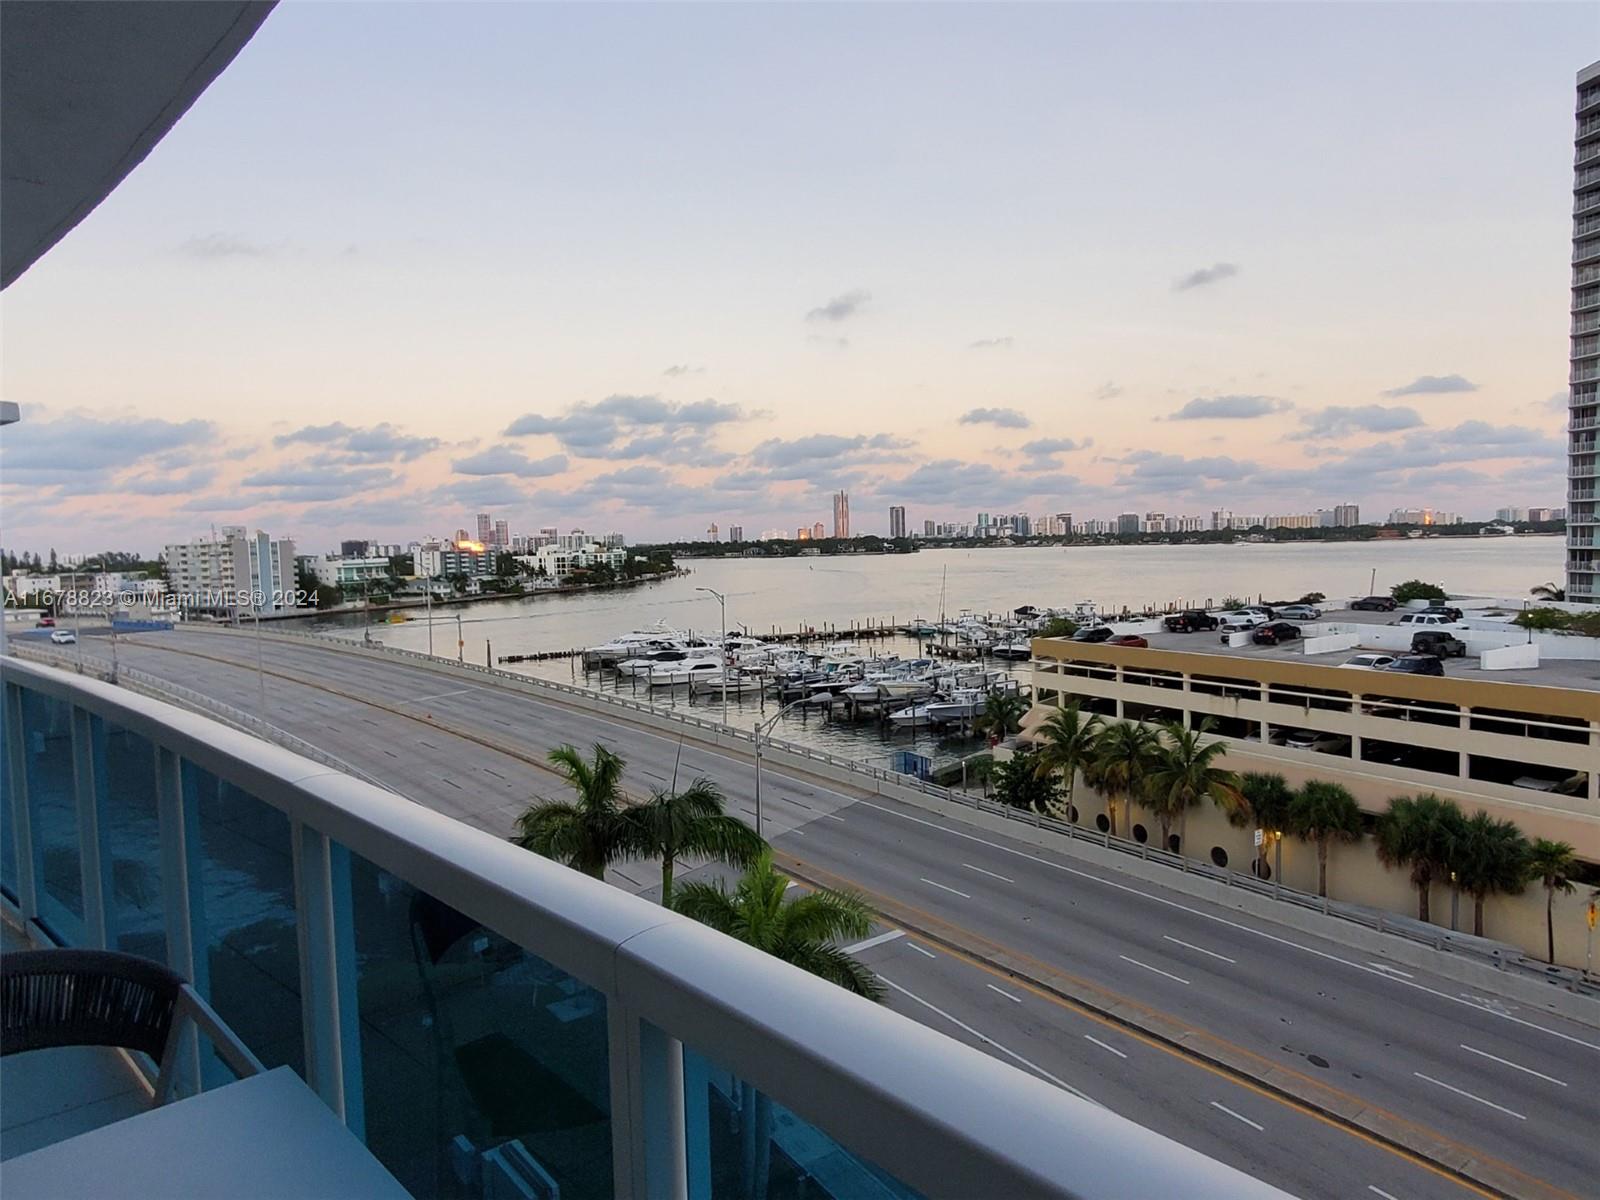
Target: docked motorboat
[(1017, 649), (913, 716), (741, 683), (960, 705), (677, 674)]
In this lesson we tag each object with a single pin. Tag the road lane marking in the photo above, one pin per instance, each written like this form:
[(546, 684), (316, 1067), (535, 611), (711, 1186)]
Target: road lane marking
[(1220, 920), (870, 942), (990, 874), (920, 950), (1237, 1117), (1390, 970), (1200, 949), (1104, 1046), (1380, 1191), (438, 695), (1003, 992), (1451, 1088), (833, 816), (1506, 1062), (989, 1041), (943, 888), (1148, 967)]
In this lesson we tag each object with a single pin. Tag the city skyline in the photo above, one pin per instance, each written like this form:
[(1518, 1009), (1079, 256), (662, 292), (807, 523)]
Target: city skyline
[(1060, 356)]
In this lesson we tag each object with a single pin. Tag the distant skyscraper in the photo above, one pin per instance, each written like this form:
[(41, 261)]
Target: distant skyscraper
[(485, 529), (1583, 461), (711, 532), (502, 534), (841, 514), (736, 533), (1128, 523), (1346, 515), (897, 521), (929, 528), (820, 531)]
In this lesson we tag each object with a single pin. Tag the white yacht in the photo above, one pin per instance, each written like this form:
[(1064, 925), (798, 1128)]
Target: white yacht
[(732, 683), (687, 671), (960, 705)]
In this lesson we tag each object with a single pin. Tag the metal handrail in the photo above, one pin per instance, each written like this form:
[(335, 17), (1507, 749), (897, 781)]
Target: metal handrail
[(944, 1117)]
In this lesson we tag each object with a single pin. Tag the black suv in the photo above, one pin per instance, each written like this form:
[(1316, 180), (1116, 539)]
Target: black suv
[(1097, 633), (1190, 622), (1374, 603), (1438, 643), (1416, 664)]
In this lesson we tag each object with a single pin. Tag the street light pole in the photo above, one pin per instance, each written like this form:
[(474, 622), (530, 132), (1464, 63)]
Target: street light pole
[(261, 672), (723, 601), (760, 731), (428, 592), (461, 645)]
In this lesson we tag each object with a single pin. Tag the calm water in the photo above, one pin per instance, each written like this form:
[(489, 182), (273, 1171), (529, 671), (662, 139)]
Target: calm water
[(818, 592)]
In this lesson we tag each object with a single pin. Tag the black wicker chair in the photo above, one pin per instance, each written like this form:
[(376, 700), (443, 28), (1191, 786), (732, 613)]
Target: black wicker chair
[(102, 998)]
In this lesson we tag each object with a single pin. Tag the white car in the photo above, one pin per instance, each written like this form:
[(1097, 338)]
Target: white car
[(1425, 619), (1239, 622), (63, 637), (1368, 662), (1311, 739), (1300, 612)]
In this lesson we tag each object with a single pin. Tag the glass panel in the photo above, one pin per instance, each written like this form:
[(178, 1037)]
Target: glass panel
[(133, 839), (8, 788), (484, 1068), (247, 922), (743, 1145), (47, 744)]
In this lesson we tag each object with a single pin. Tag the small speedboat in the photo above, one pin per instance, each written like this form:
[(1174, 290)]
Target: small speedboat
[(731, 685), (915, 716)]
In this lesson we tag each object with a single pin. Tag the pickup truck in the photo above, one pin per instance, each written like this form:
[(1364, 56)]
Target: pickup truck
[(1190, 622)]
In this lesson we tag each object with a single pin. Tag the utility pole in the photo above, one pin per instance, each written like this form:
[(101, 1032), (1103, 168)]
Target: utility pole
[(461, 645), (723, 601), (261, 671), (428, 592)]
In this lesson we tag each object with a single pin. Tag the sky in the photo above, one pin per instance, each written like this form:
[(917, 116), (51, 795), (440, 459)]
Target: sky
[(643, 268)]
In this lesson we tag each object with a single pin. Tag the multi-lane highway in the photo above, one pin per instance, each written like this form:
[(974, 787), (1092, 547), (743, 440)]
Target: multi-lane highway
[(989, 938)]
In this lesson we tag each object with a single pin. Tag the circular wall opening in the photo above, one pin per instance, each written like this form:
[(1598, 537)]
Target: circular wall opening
[(1219, 856), (1141, 834), (1174, 842), (1072, 813), (1102, 823)]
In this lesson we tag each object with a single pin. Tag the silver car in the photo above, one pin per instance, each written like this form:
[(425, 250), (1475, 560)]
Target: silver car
[(1368, 662)]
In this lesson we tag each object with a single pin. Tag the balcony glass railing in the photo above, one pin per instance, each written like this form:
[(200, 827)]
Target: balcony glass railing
[(1587, 153), (481, 1017), (1585, 250)]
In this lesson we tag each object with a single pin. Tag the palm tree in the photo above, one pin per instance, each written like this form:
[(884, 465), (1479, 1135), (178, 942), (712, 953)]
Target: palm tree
[(1548, 591), (1068, 741), (1552, 864), (1324, 813), (587, 834), (671, 824), (801, 932), (1124, 756), (1002, 715), (1267, 795), (1491, 857), (1182, 775), (1420, 832)]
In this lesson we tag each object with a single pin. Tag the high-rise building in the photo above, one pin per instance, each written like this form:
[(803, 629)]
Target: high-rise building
[(485, 529), (929, 528), (897, 520), (1022, 525), (711, 533), (239, 571), (1346, 516), (1128, 523), (502, 534), (1583, 463), (353, 549), (820, 531), (736, 533), (841, 514)]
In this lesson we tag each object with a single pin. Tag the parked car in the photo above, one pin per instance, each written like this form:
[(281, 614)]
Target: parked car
[(63, 637), (1447, 610), (1313, 739), (1374, 603), (1438, 643), (1416, 664), (1424, 618), (1268, 613), (1095, 633), (1300, 612), (1232, 623), (1127, 639), (1190, 621), (1368, 662), (1275, 633), (46, 622)]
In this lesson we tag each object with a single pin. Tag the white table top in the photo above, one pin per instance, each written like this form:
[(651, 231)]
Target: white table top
[(268, 1136)]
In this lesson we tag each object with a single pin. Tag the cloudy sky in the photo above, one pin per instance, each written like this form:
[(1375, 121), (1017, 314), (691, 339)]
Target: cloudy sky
[(643, 268)]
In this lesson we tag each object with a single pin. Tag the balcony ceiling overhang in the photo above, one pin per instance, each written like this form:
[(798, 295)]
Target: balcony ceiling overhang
[(87, 89)]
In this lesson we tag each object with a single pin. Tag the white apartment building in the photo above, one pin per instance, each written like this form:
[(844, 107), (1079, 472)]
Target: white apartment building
[(559, 561), (236, 571), (434, 560), (341, 570), (1583, 400)]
